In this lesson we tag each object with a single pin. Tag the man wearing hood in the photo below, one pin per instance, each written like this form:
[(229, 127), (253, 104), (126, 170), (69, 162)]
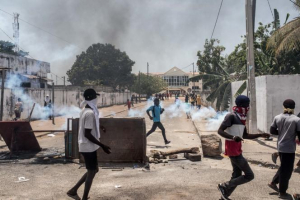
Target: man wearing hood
[(89, 142), (234, 130)]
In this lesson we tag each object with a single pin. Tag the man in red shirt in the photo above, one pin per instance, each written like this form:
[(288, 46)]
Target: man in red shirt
[(234, 130)]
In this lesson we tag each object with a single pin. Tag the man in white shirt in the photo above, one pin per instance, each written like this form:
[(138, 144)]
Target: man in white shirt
[(88, 140)]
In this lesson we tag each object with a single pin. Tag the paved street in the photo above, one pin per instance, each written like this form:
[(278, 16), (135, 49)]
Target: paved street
[(181, 179)]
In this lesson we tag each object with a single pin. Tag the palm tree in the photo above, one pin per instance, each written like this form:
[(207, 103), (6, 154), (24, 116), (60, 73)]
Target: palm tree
[(220, 85), (287, 38)]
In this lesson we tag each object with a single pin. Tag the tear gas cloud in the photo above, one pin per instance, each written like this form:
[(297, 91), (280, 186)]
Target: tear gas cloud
[(178, 109), (39, 112)]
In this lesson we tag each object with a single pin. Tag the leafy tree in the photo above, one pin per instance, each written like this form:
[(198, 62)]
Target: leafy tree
[(8, 48), (102, 64), (287, 38), (215, 73), (148, 84)]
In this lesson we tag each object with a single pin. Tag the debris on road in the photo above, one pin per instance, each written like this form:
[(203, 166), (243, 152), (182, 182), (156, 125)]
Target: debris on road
[(211, 145), (118, 186), (50, 135), (21, 179)]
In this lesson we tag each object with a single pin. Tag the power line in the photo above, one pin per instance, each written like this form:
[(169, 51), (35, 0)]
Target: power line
[(295, 3), (271, 9), (42, 30), (13, 40), (187, 66), (216, 20)]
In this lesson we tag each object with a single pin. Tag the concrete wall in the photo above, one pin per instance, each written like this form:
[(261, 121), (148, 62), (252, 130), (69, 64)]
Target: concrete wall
[(271, 91), (63, 98)]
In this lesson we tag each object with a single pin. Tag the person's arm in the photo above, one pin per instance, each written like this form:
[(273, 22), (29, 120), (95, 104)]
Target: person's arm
[(222, 132), (248, 136), (273, 130), (162, 110), (90, 137), (148, 113)]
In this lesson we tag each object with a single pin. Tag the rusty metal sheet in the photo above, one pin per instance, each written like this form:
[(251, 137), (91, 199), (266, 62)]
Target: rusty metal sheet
[(24, 141), (125, 136)]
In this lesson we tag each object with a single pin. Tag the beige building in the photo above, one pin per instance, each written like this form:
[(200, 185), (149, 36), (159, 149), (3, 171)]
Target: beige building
[(177, 81)]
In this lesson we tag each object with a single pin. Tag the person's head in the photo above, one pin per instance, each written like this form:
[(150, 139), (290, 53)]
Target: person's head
[(19, 100), (90, 94), (289, 106), (47, 96), (242, 101), (156, 101)]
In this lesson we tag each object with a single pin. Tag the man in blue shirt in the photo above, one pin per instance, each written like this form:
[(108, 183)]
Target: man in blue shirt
[(156, 112)]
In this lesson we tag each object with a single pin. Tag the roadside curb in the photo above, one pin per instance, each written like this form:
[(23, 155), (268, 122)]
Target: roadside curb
[(198, 133)]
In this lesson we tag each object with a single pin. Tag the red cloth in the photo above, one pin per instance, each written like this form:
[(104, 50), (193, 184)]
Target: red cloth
[(233, 148), (129, 104)]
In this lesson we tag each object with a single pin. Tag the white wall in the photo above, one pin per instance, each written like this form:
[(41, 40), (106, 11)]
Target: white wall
[(271, 91), (63, 98)]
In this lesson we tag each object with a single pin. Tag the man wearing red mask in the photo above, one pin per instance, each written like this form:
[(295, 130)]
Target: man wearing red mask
[(234, 130)]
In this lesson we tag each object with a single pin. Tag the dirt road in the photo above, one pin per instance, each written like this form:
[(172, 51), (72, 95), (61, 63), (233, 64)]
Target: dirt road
[(181, 179)]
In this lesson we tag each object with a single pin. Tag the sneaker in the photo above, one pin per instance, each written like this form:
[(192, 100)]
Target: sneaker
[(222, 189), (167, 142), (296, 196), (274, 157), (284, 196), (273, 186)]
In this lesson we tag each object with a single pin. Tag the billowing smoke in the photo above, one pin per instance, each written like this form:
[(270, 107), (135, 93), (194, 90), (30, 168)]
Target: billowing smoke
[(39, 112)]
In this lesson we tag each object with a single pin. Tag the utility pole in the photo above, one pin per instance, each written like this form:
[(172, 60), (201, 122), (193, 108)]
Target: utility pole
[(139, 86), (16, 32), (3, 69), (64, 77), (53, 122), (250, 23), (147, 69), (193, 89)]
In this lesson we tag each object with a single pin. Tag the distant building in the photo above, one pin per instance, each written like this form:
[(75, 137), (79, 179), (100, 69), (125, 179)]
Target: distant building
[(177, 81), (32, 73)]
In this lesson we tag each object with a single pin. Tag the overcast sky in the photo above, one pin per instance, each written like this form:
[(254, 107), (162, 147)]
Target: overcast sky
[(165, 33)]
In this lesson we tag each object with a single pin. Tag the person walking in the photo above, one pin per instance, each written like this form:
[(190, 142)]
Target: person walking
[(234, 130), (156, 112), (198, 102), (48, 107), (18, 109), (128, 104), (89, 142), (287, 127)]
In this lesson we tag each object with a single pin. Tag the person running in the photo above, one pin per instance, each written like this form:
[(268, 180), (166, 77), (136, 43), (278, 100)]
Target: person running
[(198, 101), (287, 127), (18, 109), (128, 104), (234, 130), (88, 141), (156, 112), (187, 107)]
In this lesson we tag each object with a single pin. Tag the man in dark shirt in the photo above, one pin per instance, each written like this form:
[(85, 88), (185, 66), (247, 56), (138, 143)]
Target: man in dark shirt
[(234, 130)]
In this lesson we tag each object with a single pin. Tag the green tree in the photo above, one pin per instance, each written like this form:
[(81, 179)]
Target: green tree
[(102, 64), (214, 71), (8, 48), (148, 84), (287, 38)]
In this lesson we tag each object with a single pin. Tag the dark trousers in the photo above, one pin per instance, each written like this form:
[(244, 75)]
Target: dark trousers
[(285, 171), (239, 164), (161, 127)]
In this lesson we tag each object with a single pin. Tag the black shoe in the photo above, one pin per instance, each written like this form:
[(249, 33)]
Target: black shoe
[(167, 142), (222, 189)]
